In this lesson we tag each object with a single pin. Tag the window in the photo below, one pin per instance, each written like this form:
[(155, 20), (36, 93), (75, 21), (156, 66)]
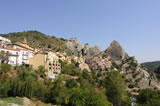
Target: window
[(50, 64)]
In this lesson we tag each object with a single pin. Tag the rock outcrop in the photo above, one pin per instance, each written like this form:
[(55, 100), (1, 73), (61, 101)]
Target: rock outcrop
[(115, 51), (78, 49), (85, 50), (114, 58), (74, 45), (94, 51), (136, 74)]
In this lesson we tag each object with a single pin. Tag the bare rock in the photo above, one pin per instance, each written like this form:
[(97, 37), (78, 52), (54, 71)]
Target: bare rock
[(115, 51), (85, 50), (78, 49), (94, 51), (74, 45)]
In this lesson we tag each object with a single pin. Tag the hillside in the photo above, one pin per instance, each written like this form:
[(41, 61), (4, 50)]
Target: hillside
[(115, 58), (37, 39), (109, 79), (152, 65)]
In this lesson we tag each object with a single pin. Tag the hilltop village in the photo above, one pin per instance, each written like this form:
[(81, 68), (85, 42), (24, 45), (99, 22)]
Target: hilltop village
[(21, 53)]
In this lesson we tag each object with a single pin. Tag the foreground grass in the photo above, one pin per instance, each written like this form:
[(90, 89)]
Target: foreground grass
[(11, 100), (21, 102)]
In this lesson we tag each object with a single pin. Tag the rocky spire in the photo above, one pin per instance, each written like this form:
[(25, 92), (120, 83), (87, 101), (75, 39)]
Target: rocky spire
[(78, 49), (74, 45), (95, 50), (115, 51), (86, 49)]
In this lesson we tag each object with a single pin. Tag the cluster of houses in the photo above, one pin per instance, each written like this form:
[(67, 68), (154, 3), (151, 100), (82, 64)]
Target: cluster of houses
[(21, 53), (99, 63)]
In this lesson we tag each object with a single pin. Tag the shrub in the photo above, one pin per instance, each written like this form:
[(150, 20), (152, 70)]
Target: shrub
[(3, 90), (5, 68), (148, 97), (71, 83)]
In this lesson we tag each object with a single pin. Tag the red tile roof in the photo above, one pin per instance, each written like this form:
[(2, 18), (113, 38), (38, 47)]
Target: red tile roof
[(9, 48)]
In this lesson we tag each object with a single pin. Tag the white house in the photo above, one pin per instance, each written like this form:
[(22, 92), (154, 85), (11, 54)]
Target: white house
[(4, 41), (18, 56), (13, 59), (24, 56)]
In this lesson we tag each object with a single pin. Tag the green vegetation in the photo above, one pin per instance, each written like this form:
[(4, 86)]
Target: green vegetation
[(70, 69), (148, 97), (3, 90), (4, 56), (152, 65), (39, 40), (5, 68), (157, 71), (26, 82), (72, 88), (86, 89), (12, 100), (116, 89)]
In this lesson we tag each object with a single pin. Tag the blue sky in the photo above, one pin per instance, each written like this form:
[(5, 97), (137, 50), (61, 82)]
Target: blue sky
[(135, 24)]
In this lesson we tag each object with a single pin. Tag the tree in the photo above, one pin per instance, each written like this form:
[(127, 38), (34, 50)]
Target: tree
[(85, 97), (41, 71), (4, 56), (4, 90), (148, 97), (116, 89), (4, 68), (41, 91), (71, 83), (24, 87), (85, 74), (157, 71), (58, 92)]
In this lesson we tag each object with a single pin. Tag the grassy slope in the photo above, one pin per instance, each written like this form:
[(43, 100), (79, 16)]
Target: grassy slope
[(19, 101), (5, 101), (38, 40)]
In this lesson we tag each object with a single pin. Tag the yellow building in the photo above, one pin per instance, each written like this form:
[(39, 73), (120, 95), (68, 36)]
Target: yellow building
[(22, 46), (38, 60)]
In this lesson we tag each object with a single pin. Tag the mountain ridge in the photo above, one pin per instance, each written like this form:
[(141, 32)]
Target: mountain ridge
[(153, 65)]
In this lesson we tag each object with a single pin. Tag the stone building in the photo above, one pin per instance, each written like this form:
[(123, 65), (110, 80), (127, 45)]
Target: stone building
[(53, 65), (49, 60)]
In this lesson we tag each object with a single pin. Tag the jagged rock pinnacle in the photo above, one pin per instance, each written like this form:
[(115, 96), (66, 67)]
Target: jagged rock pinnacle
[(115, 51)]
